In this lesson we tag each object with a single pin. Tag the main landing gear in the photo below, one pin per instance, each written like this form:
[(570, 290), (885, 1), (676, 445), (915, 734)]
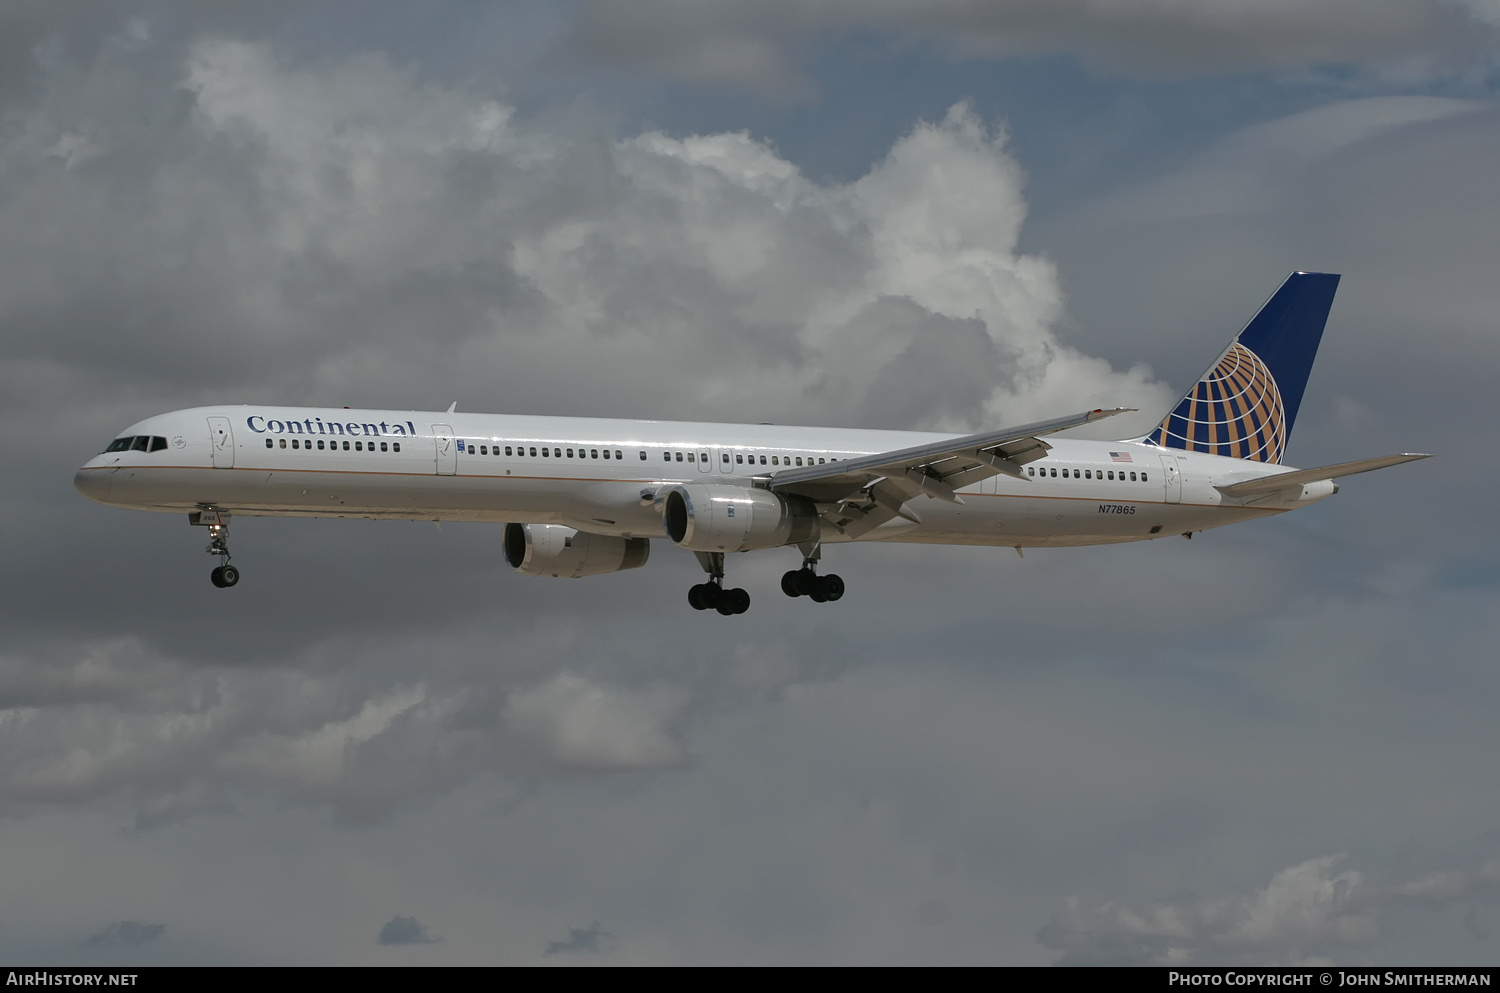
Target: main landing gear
[(217, 522), (806, 581), (712, 595)]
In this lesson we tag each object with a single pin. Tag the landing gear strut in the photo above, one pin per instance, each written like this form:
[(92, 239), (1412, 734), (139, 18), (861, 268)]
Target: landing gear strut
[(712, 595), (806, 581), (217, 522)]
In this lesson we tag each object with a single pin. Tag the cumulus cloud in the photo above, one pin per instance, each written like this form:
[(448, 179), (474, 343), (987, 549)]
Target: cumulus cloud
[(1307, 912), (310, 230), (758, 44), (405, 931), (131, 933)]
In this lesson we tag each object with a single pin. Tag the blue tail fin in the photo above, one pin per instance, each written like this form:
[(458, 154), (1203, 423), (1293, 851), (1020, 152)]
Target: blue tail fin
[(1246, 403)]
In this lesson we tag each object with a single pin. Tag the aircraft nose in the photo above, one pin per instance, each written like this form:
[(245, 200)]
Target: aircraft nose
[(93, 483)]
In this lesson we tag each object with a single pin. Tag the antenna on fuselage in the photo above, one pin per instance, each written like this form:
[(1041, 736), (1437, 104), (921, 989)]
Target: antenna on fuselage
[(452, 406)]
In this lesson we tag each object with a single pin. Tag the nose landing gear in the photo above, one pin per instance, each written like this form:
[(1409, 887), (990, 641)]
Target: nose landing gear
[(217, 522)]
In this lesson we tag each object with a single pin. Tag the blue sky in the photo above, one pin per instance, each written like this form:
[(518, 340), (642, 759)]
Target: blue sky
[(1273, 744)]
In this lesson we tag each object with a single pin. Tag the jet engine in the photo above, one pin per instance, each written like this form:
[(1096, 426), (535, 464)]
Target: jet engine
[(716, 518), (554, 550)]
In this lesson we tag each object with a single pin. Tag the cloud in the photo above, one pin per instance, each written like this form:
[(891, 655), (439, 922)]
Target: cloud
[(343, 232), (405, 931), (759, 44), (592, 939), (1307, 912), (581, 725), (132, 933)]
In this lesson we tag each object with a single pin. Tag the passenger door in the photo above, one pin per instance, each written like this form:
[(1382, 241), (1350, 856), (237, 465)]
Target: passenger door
[(221, 435), (1171, 478), (447, 450)]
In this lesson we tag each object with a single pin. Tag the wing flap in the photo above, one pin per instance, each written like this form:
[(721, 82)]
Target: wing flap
[(1301, 477)]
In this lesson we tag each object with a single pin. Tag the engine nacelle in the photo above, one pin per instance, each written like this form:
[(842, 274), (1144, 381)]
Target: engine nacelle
[(713, 518), (554, 550)]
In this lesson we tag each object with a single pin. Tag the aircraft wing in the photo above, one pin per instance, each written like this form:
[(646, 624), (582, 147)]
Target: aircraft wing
[(866, 492), (1300, 477)]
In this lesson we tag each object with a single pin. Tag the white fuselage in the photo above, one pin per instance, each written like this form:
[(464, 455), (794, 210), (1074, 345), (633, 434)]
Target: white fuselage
[(601, 475)]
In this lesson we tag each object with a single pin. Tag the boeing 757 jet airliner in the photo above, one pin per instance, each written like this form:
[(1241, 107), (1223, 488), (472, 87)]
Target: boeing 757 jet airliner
[(585, 496)]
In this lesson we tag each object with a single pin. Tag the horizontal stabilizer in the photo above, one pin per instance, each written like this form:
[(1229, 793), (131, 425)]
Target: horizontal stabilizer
[(1301, 477)]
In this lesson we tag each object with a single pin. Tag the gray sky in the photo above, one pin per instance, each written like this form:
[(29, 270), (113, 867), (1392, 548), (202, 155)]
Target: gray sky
[(1274, 744)]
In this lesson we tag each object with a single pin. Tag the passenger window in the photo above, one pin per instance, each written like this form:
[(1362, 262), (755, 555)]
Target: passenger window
[(484, 449), (507, 449), (724, 458), (774, 460), (1088, 474), (799, 460), (570, 453), (346, 446), (820, 461), (1143, 477), (679, 456), (296, 443), (593, 453), (1054, 473), (666, 456), (533, 451), (606, 453), (320, 444), (690, 456), (396, 447), (359, 446), (762, 460), (620, 455), (269, 443), (643, 456), (383, 448), (545, 452), (283, 442)]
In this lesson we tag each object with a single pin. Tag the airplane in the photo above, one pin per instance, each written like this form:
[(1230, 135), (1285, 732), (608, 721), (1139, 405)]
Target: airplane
[(586, 496)]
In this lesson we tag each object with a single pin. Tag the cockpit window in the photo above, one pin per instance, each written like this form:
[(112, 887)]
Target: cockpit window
[(138, 443)]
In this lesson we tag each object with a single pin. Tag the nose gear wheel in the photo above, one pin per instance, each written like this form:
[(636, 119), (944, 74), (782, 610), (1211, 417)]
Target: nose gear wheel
[(224, 575)]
